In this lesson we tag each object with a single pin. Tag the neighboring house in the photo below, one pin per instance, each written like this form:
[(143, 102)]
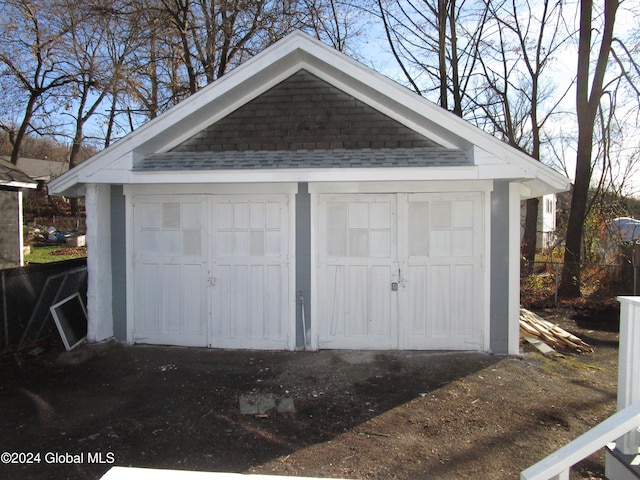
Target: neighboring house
[(546, 236), (13, 182), (40, 170), (306, 201)]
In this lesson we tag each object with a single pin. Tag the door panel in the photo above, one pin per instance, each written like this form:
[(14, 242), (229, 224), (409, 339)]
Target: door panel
[(225, 289), (356, 267), (250, 270), (170, 270), (429, 245), (442, 254)]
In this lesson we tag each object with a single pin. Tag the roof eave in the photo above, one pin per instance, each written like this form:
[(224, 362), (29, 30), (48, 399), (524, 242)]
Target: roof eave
[(295, 52), (17, 184)]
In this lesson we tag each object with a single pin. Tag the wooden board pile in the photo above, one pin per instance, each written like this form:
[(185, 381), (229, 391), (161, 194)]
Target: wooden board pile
[(534, 327)]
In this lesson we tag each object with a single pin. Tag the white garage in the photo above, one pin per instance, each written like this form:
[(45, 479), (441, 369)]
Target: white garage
[(305, 201)]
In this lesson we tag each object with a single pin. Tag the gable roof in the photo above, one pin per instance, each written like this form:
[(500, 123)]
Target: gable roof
[(12, 177), (40, 169), (150, 149)]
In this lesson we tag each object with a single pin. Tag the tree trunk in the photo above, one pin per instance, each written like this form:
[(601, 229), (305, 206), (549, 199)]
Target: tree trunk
[(588, 96), (455, 62), (442, 53), (22, 131), (529, 239), (571, 269), (73, 161)]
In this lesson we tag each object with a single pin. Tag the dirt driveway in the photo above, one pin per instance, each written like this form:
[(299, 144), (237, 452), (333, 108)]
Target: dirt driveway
[(357, 414)]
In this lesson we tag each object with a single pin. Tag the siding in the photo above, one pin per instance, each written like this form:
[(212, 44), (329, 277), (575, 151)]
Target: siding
[(9, 231), (304, 113)]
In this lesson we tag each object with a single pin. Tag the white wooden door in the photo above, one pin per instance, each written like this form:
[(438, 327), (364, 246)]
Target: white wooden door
[(170, 270), (250, 272), (441, 271), (357, 264), (400, 271)]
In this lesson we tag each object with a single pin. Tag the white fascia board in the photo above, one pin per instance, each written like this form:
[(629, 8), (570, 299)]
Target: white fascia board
[(64, 183), (517, 165), (504, 172), (410, 186), (13, 184), (556, 181), (306, 175), (535, 188), (115, 171), (212, 189)]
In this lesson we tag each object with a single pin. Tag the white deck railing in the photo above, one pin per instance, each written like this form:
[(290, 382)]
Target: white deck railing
[(621, 427), (559, 463)]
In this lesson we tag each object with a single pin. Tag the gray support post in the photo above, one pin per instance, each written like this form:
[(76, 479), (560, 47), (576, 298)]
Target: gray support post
[(303, 265), (4, 311), (118, 263), (499, 310)]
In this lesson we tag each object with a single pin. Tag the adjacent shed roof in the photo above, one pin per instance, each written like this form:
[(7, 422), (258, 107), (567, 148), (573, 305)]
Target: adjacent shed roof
[(11, 176), (41, 169)]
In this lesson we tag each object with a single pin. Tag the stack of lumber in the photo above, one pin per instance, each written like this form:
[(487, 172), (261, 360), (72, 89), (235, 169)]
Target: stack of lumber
[(534, 327)]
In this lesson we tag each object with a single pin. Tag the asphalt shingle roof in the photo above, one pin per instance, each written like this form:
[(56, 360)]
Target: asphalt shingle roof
[(281, 159), (11, 175)]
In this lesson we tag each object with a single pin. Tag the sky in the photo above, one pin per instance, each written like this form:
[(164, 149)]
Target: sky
[(375, 52)]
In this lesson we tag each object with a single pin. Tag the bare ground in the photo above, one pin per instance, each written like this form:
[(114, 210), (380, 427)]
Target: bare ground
[(359, 415)]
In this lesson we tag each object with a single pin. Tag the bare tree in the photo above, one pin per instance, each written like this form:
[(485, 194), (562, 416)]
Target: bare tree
[(31, 60), (519, 96), (100, 43), (589, 91), (215, 36), (335, 22), (157, 76), (437, 45), (95, 51)]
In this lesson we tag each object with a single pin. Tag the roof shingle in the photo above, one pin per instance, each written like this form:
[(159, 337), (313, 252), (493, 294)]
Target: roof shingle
[(288, 159)]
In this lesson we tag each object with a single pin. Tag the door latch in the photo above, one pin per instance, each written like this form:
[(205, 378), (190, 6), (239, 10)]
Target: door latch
[(394, 286)]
